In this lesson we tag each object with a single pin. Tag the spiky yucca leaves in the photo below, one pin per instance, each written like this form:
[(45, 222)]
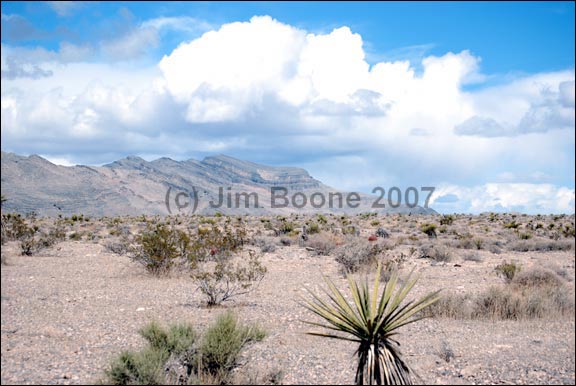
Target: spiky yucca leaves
[(372, 324)]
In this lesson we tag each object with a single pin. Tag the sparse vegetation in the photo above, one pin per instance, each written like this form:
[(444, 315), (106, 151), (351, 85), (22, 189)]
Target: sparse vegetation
[(429, 229), (224, 279), (158, 248), (179, 356), (507, 270), (357, 253)]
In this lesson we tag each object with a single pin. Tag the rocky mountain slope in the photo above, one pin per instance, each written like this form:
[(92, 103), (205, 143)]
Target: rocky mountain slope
[(133, 186)]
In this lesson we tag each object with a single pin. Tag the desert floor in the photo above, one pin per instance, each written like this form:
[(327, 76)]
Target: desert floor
[(68, 310)]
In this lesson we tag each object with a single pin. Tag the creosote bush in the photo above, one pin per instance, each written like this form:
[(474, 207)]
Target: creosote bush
[(224, 279), (158, 248)]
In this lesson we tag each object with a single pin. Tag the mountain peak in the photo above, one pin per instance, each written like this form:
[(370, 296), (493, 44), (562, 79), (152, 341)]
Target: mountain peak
[(130, 161)]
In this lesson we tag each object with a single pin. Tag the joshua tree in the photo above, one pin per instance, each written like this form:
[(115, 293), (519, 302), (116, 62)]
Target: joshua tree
[(372, 324)]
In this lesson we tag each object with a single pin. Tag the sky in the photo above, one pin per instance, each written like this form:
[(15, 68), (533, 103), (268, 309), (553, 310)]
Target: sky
[(473, 98)]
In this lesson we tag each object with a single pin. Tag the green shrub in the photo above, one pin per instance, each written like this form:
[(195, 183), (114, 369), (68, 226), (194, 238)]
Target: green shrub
[(141, 368), (208, 360), (76, 236), (313, 228), (511, 225), (177, 339), (429, 229), (525, 236), (447, 220), (159, 247), (507, 270), (214, 243), (222, 343)]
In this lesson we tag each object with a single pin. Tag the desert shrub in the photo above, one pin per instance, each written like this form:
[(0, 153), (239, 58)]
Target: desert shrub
[(447, 219), (391, 264), (453, 306), (313, 228), (541, 245), (322, 219), (355, 254), (429, 229), (497, 303), (214, 243), (177, 339), (222, 343), (158, 247), (179, 356), (322, 244), (14, 227), (537, 277), (472, 256), (495, 249), (536, 298), (478, 243), (29, 245), (147, 367), (438, 253), (568, 231), (119, 247), (75, 236), (286, 241), (466, 243), (266, 244), (286, 227), (140, 368), (507, 270), (350, 230), (225, 279), (511, 225)]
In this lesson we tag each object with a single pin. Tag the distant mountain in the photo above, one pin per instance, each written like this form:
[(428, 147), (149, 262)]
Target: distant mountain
[(135, 186)]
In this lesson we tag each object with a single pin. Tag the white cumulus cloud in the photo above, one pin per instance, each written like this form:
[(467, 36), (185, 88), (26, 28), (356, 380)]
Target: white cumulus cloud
[(273, 93)]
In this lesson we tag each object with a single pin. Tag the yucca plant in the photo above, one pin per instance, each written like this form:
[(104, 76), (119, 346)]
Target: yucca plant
[(372, 324)]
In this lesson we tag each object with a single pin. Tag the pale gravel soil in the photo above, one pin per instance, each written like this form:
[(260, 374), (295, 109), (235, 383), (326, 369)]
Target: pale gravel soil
[(68, 311)]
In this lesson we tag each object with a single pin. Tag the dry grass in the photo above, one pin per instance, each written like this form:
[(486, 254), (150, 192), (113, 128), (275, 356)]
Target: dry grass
[(532, 294)]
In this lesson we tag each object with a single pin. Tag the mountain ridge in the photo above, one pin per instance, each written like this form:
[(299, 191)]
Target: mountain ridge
[(134, 186)]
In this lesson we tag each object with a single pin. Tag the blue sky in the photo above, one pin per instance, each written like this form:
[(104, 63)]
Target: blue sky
[(475, 98)]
